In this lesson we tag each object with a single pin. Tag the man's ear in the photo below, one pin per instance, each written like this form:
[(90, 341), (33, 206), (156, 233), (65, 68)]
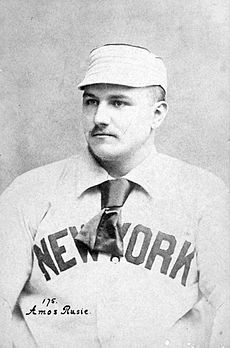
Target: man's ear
[(159, 113)]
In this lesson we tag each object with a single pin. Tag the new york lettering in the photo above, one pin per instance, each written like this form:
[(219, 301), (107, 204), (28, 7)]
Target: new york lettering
[(54, 262)]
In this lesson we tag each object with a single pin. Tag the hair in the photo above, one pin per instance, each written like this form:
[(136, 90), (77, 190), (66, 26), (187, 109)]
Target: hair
[(158, 93)]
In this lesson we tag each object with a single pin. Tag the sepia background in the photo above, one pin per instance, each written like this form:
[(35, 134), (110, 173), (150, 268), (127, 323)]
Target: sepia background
[(44, 47)]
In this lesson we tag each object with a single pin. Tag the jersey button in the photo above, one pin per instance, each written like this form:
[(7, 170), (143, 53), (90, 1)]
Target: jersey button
[(115, 259)]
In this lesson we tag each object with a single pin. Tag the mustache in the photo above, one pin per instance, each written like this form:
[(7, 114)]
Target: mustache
[(101, 131)]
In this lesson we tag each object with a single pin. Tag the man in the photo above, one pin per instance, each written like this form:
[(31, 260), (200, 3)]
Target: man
[(119, 246)]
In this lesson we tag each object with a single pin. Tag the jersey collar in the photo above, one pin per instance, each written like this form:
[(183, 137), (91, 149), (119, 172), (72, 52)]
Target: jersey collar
[(89, 172), (153, 174)]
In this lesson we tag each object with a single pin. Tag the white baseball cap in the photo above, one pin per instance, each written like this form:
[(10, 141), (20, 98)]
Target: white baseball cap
[(124, 64)]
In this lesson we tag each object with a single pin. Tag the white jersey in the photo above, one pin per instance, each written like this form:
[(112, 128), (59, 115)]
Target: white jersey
[(175, 266)]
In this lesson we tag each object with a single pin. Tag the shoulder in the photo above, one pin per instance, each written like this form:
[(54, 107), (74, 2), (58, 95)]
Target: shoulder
[(32, 194), (192, 180), (44, 180), (49, 173)]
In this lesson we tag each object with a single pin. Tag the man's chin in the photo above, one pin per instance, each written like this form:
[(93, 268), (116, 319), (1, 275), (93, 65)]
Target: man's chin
[(108, 153)]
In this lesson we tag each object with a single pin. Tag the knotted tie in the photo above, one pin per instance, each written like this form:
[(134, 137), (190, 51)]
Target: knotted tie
[(103, 232)]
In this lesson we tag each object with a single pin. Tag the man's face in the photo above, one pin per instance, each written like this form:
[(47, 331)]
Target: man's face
[(117, 120)]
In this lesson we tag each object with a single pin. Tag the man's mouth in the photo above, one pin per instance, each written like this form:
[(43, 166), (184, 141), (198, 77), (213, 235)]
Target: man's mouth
[(102, 134)]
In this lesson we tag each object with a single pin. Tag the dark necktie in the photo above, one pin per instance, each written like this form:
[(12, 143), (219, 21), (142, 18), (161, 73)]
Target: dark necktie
[(103, 232)]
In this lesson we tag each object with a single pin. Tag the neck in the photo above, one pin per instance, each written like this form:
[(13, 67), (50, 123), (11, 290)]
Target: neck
[(119, 167)]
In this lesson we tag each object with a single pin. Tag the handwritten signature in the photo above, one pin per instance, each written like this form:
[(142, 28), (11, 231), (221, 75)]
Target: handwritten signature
[(65, 310)]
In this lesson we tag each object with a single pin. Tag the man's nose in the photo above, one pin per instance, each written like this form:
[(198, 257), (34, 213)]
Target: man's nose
[(101, 115)]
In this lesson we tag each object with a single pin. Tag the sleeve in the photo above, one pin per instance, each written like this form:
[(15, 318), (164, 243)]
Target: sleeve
[(213, 257), (15, 256)]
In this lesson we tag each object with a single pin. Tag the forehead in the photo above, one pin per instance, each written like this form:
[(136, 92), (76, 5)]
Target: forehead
[(107, 90)]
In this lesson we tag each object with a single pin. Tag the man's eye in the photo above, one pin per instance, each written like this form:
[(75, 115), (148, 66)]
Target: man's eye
[(118, 103), (92, 102)]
